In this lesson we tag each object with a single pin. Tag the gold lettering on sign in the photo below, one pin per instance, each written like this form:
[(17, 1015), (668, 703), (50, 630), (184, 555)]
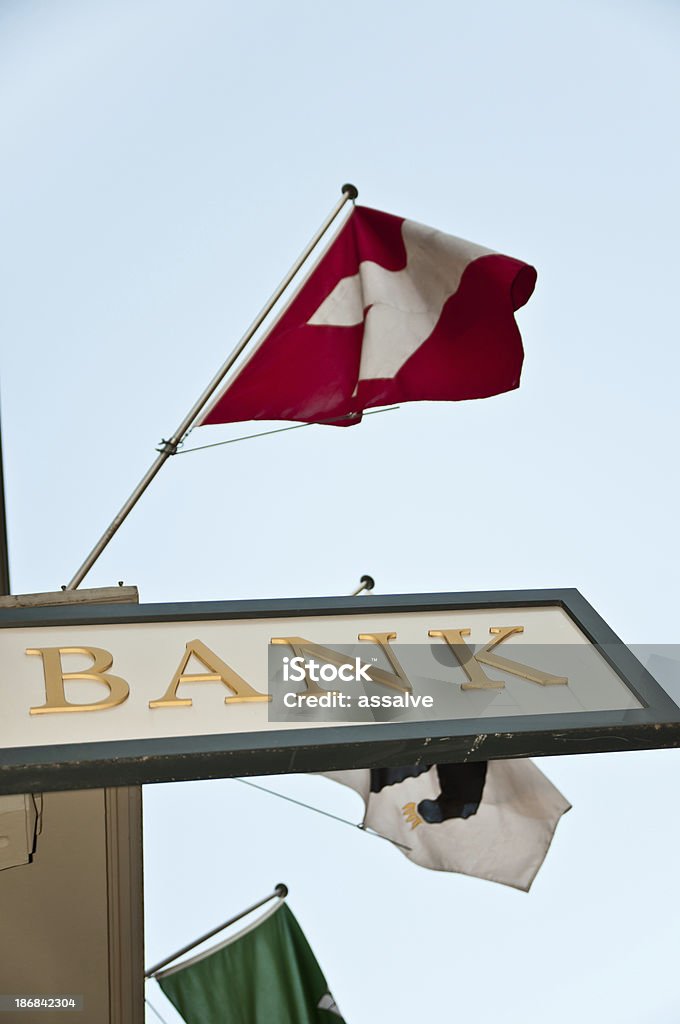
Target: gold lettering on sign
[(218, 672), (534, 675), (55, 677), (465, 656), (383, 641), (302, 647), (471, 662)]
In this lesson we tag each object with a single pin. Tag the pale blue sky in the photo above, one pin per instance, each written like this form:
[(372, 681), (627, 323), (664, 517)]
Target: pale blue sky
[(162, 165)]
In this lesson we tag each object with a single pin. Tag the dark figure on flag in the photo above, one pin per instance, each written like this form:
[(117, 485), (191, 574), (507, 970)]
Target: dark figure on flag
[(462, 788)]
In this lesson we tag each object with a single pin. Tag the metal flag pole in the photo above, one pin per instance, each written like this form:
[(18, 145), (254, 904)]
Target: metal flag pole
[(169, 447), (281, 891), (4, 551)]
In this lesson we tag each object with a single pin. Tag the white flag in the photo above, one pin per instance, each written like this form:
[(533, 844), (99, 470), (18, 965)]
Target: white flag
[(494, 821)]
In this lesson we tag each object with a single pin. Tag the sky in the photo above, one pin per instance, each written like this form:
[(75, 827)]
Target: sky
[(163, 164)]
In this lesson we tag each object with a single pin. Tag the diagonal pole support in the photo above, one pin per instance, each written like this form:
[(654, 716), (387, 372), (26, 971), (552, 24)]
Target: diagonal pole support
[(169, 447)]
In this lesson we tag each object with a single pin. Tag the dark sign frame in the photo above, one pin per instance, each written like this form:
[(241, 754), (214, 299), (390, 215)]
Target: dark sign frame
[(174, 759)]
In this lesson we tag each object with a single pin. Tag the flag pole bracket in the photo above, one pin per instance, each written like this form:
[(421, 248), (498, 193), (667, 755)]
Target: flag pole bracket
[(168, 447)]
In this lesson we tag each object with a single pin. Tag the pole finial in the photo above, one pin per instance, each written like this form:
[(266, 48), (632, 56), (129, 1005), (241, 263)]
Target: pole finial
[(281, 890), (365, 583), (350, 190)]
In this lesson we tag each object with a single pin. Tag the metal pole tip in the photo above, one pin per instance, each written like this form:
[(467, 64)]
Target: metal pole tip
[(350, 190), (281, 890), (365, 583)]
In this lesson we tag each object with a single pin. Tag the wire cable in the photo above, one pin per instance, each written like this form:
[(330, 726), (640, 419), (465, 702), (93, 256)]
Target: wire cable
[(278, 430), (152, 1007), (326, 814)]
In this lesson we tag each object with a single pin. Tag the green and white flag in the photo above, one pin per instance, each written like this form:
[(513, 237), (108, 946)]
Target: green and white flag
[(266, 974)]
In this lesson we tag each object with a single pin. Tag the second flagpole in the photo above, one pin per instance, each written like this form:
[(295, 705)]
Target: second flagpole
[(169, 447), (280, 892)]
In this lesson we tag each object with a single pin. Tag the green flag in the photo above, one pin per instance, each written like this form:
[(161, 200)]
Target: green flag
[(267, 974)]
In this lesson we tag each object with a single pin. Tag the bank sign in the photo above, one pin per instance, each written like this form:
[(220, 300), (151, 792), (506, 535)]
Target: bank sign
[(126, 694)]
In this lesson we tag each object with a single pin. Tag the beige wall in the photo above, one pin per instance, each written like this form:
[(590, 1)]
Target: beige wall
[(71, 921)]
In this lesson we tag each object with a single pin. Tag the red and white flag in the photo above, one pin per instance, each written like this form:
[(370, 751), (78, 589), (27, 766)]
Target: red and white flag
[(393, 312)]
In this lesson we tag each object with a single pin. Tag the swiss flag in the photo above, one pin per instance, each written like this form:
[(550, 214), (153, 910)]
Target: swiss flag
[(393, 312)]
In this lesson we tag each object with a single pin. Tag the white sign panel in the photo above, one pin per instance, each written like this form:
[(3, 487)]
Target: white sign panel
[(135, 693)]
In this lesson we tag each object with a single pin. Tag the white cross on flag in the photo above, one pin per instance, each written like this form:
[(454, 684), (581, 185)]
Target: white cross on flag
[(393, 312)]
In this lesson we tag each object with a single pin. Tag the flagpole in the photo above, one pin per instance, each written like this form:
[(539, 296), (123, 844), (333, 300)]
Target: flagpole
[(281, 891), (4, 550), (169, 447)]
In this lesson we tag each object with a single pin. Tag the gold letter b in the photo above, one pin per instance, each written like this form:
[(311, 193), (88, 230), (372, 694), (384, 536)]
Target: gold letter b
[(55, 677)]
